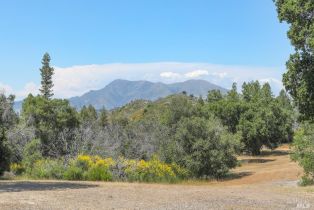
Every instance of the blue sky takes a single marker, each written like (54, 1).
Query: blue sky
(93, 42)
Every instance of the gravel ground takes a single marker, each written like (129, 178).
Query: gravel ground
(78, 195)
(267, 182)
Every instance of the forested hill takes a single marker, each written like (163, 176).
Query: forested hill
(120, 92)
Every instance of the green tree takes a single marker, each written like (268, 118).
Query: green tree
(233, 93)
(103, 118)
(50, 118)
(205, 147)
(228, 109)
(46, 77)
(266, 94)
(7, 120)
(179, 106)
(31, 154)
(264, 126)
(251, 91)
(299, 78)
(214, 95)
(88, 114)
(303, 152)
(284, 100)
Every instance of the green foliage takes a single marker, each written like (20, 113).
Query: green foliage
(46, 77)
(303, 152)
(214, 96)
(7, 119)
(260, 118)
(5, 152)
(91, 168)
(180, 106)
(50, 117)
(228, 109)
(17, 169)
(48, 169)
(31, 154)
(88, 114)
(99, 172)
(266, 122)
(103, 118)
(205, 147)
(150, 171)
(73, 172)
(94, 168)
(299, 78)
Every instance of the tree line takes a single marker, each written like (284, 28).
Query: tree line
(200, 134)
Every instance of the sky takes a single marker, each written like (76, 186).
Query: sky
(94, 42)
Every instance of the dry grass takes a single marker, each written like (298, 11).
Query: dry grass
(270, 166)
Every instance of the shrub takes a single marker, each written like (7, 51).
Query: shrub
(204, 147)
(73, 173)
(99, 172)
(17, 169)
(92, 168)
(303, 152)
(100, 169)
(152, 171)
(264, 126)
(31, 154)
(48, 169)
(95, 168)
(84, 162)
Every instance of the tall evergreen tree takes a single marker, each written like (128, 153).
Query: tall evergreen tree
(103, 118)
(46, 77)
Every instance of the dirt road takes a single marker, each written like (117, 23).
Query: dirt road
(266, 182)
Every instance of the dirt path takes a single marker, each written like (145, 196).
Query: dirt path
(266, 182)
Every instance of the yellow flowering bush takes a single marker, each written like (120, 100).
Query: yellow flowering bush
(100, 169)
(92, 168)
(152, 171)
(17, 168)
(96, 168)
(84, 161)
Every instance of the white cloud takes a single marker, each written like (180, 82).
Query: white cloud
(170, 75)
(220, 74)
(6, 89)
(30, 87)
(77, 80)
(273, 82)
(196, 73)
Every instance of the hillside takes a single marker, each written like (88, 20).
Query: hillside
(121, 92)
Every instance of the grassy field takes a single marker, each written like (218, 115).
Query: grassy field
(268, 181)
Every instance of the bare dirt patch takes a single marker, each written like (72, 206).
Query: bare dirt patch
(264, 182)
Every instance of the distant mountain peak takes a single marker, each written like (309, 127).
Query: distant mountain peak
(120, 92)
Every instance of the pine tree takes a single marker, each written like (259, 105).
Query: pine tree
(46, 77)
(103, 118)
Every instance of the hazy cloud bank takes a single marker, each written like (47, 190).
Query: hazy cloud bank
(76, 80)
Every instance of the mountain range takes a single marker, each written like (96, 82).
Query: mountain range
(120, 92)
